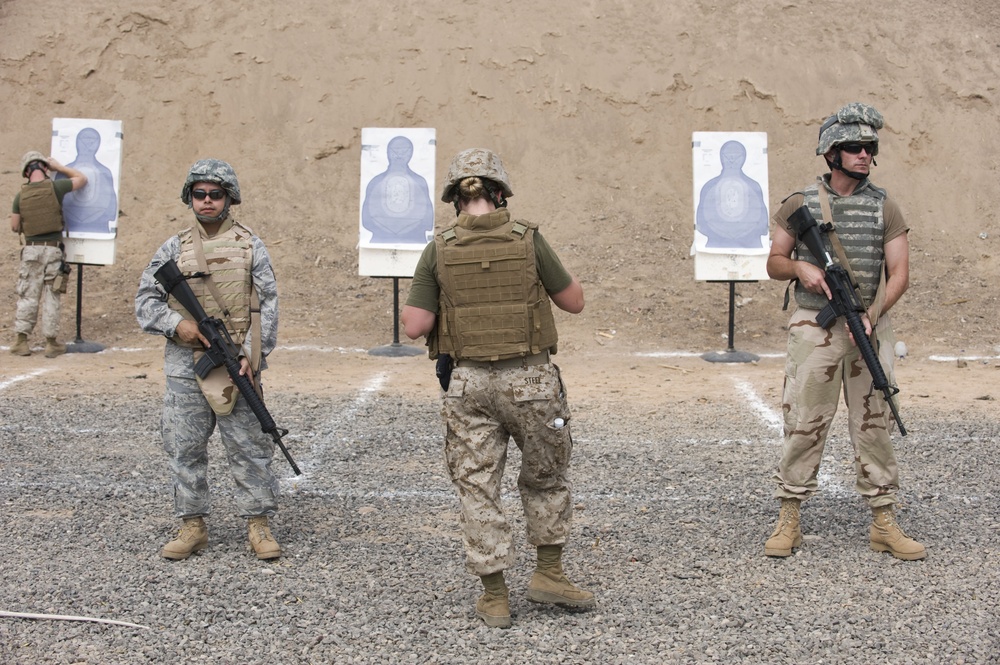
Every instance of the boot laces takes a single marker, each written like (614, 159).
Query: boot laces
(261, 532)
(188, 533)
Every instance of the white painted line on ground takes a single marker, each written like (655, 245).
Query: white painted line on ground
(318, 450)
(298, 347)
(827, 482)
(771, 417)
(668, 354)
(24, 377)
(318, 349)
(691, 354)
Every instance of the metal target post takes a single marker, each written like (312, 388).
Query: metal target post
(395, 349)
(78, 345)
(731, 355)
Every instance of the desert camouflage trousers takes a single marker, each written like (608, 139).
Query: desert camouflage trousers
(820, 362)
(186, 425)
(482, 410)
(39, 267)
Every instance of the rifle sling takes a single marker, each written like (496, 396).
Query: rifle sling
(255, 353)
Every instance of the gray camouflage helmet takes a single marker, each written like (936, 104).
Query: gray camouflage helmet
(475, 162)
(32, 156)
(854, 123)
(212, 170)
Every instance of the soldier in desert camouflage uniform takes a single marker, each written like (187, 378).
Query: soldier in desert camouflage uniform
(239, 276)
(873, 233)
(481, 294)
(37, 213)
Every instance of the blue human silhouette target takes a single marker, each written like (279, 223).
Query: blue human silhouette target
(732, 210)
(397, 208)
(94, 208)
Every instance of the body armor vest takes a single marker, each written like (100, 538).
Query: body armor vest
(229, 256)
(493, 304)
(41, 212)
(859, 223)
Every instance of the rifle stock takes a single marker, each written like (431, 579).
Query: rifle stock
(844, 302)
(220, 351)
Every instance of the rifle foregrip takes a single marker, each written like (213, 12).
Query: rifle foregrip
(253, 399)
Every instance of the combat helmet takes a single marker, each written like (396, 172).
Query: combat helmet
(854, 123)
(31, 157)
(475, 162)
(212, 170)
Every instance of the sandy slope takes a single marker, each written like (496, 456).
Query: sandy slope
(591, 104)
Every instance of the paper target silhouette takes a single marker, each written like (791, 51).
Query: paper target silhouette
(397, 207)
(94, 208)
(732, 212)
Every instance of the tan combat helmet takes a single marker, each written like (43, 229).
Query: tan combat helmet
(30, 158)
(475, 162)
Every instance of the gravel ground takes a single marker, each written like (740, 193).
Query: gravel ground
(673, 507)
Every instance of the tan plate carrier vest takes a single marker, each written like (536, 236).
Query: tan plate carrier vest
(493, 305)
(228, 257)
(41, 212)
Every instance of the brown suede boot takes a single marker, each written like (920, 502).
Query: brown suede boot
(53, 348)
(21, 347)
(193, 537)
(550, 585)
(261, 540)
(787, 534)
(493, 607)
(887, 536)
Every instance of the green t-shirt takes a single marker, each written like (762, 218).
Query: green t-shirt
(425, 292)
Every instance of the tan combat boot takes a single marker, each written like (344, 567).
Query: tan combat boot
(261, 540)
(493, 607)
(21, 347)
(886, 536)
(53, 348)
(193, 537)
(550, 585)
(787, 534)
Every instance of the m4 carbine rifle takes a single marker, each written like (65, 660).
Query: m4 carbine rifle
(844, 302)
(221, 350)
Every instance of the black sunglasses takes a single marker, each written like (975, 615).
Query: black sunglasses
(215, 194)
(856, 148)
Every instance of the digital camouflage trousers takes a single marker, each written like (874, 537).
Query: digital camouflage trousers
(483, 409)
(186, 425)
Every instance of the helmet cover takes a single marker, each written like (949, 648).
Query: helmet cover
(472, 163)
(212, 170)
(32, 156)
(854, 123)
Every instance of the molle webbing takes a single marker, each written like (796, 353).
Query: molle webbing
(860, 225)
(229, 256)
(493, 305)
(39, 208)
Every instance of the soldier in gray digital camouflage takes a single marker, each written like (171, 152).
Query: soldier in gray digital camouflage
(482, 295)
(229, 271)
(869, 239)
(37, 214)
